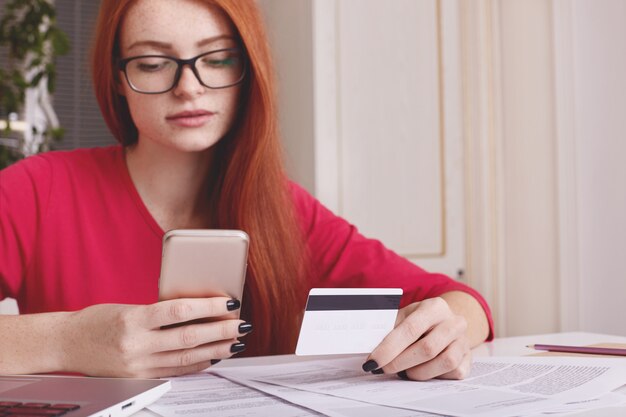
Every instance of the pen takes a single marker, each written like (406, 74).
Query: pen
(581, 349)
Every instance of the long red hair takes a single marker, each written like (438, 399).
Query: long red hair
(250, 189)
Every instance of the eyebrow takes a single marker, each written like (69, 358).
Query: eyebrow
(168, 46)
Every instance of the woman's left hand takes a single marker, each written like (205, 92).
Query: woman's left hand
(429, 341)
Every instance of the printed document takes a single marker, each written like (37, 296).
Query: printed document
(334, 406)
(497, 386)
(206, 394)
(341, 407)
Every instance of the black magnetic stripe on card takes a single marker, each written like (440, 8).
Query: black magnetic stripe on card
(353, 302)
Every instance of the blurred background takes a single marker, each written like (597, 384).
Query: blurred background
(479, 138)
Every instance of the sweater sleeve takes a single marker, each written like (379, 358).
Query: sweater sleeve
(24, 191)
(342, 257)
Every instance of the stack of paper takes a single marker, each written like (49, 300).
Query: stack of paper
(497, 386)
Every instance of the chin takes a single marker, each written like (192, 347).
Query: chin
(195, 146)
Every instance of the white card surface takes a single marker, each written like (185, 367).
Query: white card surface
(347, 320)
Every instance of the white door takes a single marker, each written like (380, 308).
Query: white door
(371, 117)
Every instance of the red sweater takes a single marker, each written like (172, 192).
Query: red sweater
(75, 232)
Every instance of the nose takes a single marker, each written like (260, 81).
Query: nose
(188, 84)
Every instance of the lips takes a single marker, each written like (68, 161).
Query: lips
(190, 118)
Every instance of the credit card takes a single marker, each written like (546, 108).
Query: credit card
(347, 320)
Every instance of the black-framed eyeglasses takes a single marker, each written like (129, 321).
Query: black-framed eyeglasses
(156, 74)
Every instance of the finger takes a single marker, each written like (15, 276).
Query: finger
(185, 358)
(430, 346)
(405, 312)
(463, 371)
(169, 312)
(454, 362)
(192, 335)
(428, 313)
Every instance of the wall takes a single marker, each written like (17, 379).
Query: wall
(596, 91)
(290, 27)
(528, 152)
(511, 226)
(545, 103)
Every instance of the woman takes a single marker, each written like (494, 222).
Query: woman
(186, 88)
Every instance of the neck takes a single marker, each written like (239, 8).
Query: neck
(173, 185)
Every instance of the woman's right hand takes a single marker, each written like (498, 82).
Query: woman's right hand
(129, 340)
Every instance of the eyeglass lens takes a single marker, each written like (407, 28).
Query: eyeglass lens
(154, 74)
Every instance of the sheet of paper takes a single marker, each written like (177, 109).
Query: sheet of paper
(621, 390)
(205, 394)
(498, 386)
(333, 406)
(608, 400)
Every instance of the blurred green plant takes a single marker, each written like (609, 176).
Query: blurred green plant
(29, 31)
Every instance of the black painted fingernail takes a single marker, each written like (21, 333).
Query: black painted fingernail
(214, 361)
(378, 371)
(245, 328)
(232, 304)
(403, 375)
(237, 347)
(370, 365)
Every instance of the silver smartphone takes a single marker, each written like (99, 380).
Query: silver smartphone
(203, 263)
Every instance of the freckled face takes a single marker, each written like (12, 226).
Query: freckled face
(190, 117)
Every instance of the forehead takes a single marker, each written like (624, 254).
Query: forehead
(178, 22)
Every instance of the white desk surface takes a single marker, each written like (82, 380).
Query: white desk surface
(506, 346)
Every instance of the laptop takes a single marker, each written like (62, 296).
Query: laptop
(77, 396)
